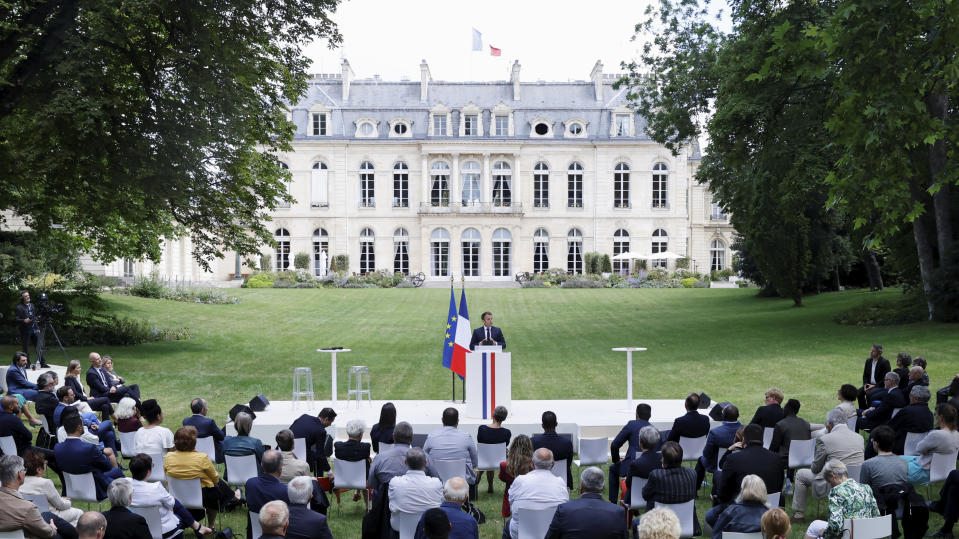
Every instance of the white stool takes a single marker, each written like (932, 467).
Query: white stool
(358, 375)
(303, 385)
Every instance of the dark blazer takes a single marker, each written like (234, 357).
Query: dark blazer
(882, 367)
(891, 400)
(488, 435)
(629, 433)
(98, 387)
(588, 517)
(913, 418)
(74, 384)
(318, 445)
(670, 485)
(462, 526)
(752, 459)
(307, 524)
(788, 429)
(262, 489)
(378, 436)
(78, 457)
(903, 373)
(125, 524)
(641, 467)
(767, 416)
(691, 425)
(479, 335)
(206, 427)
(561, 447)
(16, 380)
(45, 404)
(11, 425)
(351, 450)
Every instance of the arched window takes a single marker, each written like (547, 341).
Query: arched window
(401, 251)
(574, 251)
(501, 252)
(440, 252)
(620, 246)
(471, 183)
(541, 185)
(367, 192)
(717, 256)
(280, 203)
(470, 241)
(367, 254)
(540, 250)
(321, 245)
(502, 181)
(574, 186)
(281, 254)
(621, 186)
(660, 244)
(401, 185)
(319, 186)
(660, 185)
(440, 184)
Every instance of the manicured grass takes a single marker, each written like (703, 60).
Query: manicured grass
(728, 343)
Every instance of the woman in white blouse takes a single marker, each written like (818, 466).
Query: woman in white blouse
(152, 439)
(36, 484)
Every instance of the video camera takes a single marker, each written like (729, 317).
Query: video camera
(46, 308)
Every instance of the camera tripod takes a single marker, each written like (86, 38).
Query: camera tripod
(45, 325)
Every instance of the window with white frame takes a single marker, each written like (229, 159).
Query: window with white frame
(401, 185)
(501, 125)
(621, 186)
(128, 266)
(717, 214)
(575, 129)
(367, 251)
(401, 251)
(540, 250)
(288, 184)
(318, 124)
(367, 185)
(501, 252)
(541, 185)
(470, 125)
(439, 125)
(574, 251)
(470, 173)
(502, 180)
(660, 244)
(400, 128)
(281, 254)
(717, 256)
(622, 123)
(574, 185)
(541, 128)
(321, 245)
(319, 186)
(620, 246)
(440, 252)
(366, 129)
(660, 186)
(440, 184)
(470, 243)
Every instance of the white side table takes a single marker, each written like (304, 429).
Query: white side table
(333, 367)
(629, 371)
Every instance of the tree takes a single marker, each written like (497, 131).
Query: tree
(129, 121)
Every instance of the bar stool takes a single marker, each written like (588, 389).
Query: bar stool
(358, 375)
(302, 385)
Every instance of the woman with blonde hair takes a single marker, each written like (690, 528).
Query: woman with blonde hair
(775, 524)
(519, 461)
(98, 404)
(746, 514)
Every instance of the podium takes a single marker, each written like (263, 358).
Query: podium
(489, 381)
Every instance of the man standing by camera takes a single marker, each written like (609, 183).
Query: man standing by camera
(26, 316)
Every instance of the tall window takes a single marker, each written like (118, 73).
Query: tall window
(541, 185)
(471, 251)
(540, 250)
(501, 127)
(128, 267)
(574, 251)
(281, 255)
(440, 185)
(717, 256)
(470, 125)
(439, 125)
(660, 243)
(620, 245)
(321, 245)
(280, 203)
(319, 124)
(622, 125)
(501, 252)
(401, 251)
(367, 192)
(471, 183)
(717, 212)
(660, 185)
(319, 186)
(574, 186)
(502, 178)
(440, 252)
(621, 186)
(367, 255)
(401, 185)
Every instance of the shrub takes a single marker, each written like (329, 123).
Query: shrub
(688, 282)
(260, 280)
(700, 284)
(301, 261)
(606, 265)
(266, 263)
(592, 262)
(534, 283)
(149, 287)
(340, 263)
(682, 263)
(658, 274)
(903, 310)
(582, 282)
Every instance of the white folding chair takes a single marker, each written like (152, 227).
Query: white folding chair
(207, 445)
(741, 535)
(941, 465)
(239, 469)
(349, 476)
(151, 513)
(39, 500)
(383, 448)
(851, 423)
(448, 469)
(593, 451)
(299, 448)
(692, 447)
(255, 529)
(3, 386)
(489, 456)
(773, 498)
(636, 500)
(854, 471)
(559, 469)
(127, 443)
(720, 453)
(768, 437)
(188, 491)
(868, 528)
(533, 523)
(157, 475)
(7, 445)
(801, 453)
(15, 534)
(912, 442)
(81, 487)
(407, 522)
(685, 512)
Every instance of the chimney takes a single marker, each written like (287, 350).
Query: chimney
(347, 78)
(514, 78)
(597, 76)
(424, 79)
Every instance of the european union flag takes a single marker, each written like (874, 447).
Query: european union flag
(450, 333)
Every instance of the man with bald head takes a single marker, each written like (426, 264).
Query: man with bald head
(274, 520)
(99, 382)
(462, 526)
(92, 525)
(537, 489)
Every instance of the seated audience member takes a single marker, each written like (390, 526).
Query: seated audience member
(493, 434)
(775, 523)
(660, 523)
(745, 515)
(304, 522)
(903, 364)
(78, 457)
(72, 380)
(319, 445)
(886, 467)
(949, 392)
(36, 484)
(266, 486)
(128, 415)
(449, 443)
(173, 515)
(538, 489)
(102, 431)
(353, 449)
(519, 461)
(382, 431)
(690, 425)
(847, 499)
(752, 459)
(414, 491)
(790, 427)
(944, 440)
(673, 483)
(561, 447)
(915, 417)
(873, 374)
(17, 513)
(392, 463)
(121, 522)
(947, 505)
(589, 516)
(889, 400)
(100, 385)
(771, 412)
(629, 433)
(456, 492)
(186, 463)
(292, 466)
(46, 401)
(20, 386)
(847, 405)
(243, 444)
(152, 439)
(839, 443)
(921, 362)
(12, 425)
(91, 525)
(274, 520)
(205, 426)
(722, 436)
(648, 460)
(117, 381)
(436, 524)
(915, 379)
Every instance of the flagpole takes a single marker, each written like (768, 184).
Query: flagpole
(453, 374)
(463, 288)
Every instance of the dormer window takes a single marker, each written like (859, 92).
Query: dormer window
(541, 128)
(471, 121)
(439, 121)
(621, 124)
(501, 120)
(575, 128)
(319, 124)
(366, 128)
(470, 125)
(319, 121)
(439, 126)
(501, 125)
(400, 128)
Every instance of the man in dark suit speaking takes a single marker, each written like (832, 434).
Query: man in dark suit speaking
(487, 332)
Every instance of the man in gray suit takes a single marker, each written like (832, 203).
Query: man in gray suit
(838, 443)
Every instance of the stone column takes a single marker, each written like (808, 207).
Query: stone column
(517, 198)
(455, 187)
(425, 184)
(485, 195)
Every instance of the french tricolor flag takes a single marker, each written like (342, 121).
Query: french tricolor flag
(464, 333)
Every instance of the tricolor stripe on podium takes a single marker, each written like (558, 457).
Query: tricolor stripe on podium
(489, 381)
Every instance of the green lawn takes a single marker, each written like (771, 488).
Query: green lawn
(727, 343)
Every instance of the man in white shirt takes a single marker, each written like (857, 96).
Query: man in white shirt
(450, 443)
(538, 489)
(414, 492)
